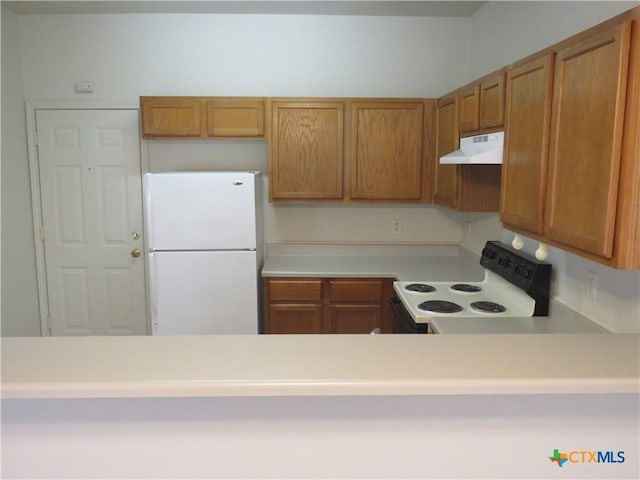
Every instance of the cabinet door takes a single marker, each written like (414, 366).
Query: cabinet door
(354, 318)
(492, 101)
(529, 88)
(469, 108)
(386, 151)
(171, 116)
(235, 118)
(447, 141)
(586, 135)
(306, 151)
(294, 318)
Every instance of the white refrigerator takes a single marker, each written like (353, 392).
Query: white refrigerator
(204, 243)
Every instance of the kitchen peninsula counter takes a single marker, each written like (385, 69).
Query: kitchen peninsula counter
(318, 365)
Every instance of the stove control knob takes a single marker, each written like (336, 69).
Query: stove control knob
(504, 262)
(523, 272)
(489, 253)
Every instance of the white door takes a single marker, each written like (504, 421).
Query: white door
(91, 194)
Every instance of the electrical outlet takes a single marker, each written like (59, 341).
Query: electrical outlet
(395, 226)
(592, 285)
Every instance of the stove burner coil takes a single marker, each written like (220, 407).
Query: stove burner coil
(440, 306)
(488, 307)
(420, 287)
(465, 287)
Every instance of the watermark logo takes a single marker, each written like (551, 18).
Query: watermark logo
(559, 458)
(587, 456)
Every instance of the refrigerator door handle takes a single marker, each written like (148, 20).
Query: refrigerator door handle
(153, 281)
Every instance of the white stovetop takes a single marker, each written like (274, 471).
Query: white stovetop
(492, 289)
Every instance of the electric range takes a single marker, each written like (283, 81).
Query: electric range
(515, 285)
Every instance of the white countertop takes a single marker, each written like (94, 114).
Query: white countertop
(446, 263)
(561, 319)
(402, 262)
(312, 365)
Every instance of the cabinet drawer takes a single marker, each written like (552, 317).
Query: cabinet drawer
(295, 290)
(355, 290)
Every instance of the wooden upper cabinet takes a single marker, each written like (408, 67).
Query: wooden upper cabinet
(447, 141)
(481, 104)
(306, 150)
(386, 158)
(492, 93)
(235, 118)
(465, 188)
(202, 117)
(171, 116)
(469, 108)
(589, 96)
(528, 115)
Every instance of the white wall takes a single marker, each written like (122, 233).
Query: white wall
(19, 286)
(273, 55)
(475, 436)
(529, 27)
(132, 55)
(504, 32)
(310, 223)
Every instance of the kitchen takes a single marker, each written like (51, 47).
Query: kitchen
(397, 70)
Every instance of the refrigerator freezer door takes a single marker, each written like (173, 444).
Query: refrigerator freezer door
(200, 210)
(204, 293)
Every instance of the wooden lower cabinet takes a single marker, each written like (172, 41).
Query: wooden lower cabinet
(294, 318)
(354, 318)
(327, 305)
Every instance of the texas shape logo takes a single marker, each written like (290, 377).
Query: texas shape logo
(559, 458)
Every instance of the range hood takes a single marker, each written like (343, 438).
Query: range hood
(480, 149)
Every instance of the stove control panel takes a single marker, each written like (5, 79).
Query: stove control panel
(522, 270)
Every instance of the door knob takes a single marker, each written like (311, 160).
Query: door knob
(135, 253)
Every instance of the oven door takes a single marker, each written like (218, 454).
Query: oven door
(402, 320)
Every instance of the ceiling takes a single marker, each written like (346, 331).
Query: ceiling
(359, 7)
